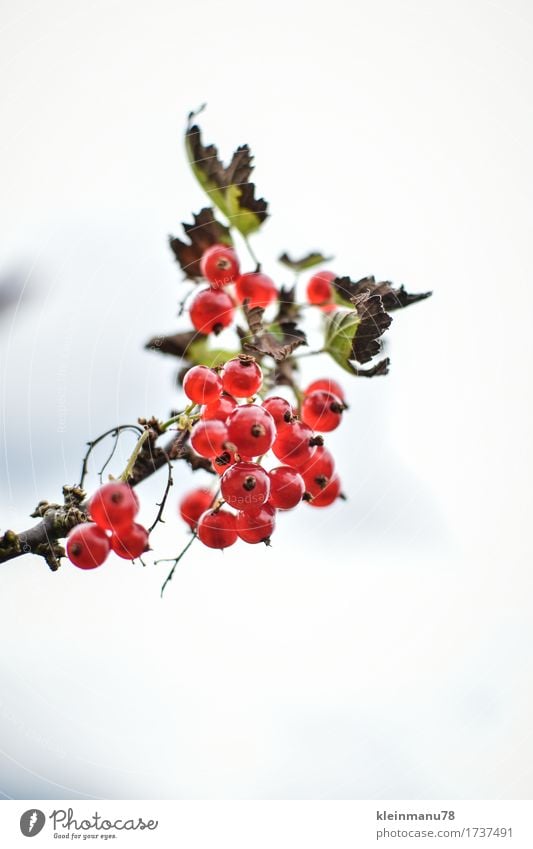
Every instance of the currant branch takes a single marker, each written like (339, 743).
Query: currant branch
(233, 424)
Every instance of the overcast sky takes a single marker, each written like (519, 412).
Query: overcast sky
(381, 648)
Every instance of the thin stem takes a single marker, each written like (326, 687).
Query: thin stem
(135, 453)
(188, 411)
(251, 252)
(176, 561)
(161, 505)
(310, 354)
(92, 445)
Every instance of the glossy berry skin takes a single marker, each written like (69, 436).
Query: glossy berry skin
(286, 487)
(221, 463)
(219, 409)
(211, 311)
(327, 494)
(113, 506)
(257, 527)
(193, 504)
(216, 529)
(257, 288)
(209, 437)
(131, 542)
(245, 486)
(328, 385)
(242, 377)
(87, 546)
(251, 429)
(319, 289)
(219, 265)
(280, 410)
(322, 411)
(320, 464)
(202, 385)
(292, 444)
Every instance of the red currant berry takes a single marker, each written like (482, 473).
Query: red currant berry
(257, 288)
(326, 494)
(219, 409)
(131, 542)
(328, 385)
(193, 504)
(322, 411)
(251, 429)
(257, 527)
(280, 410)
(113, 506)
(320, 464)
(216, 529)
(242, 377)
(208, 438)
(245, 486)
(87, 546)
(221, 463)
(293, 444)
(211, 311)
(320, 290)
(219, 265)
(286, 487)
(202, 385)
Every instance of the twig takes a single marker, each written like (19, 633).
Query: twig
(92, 445)
(176, 561)
(161, 505)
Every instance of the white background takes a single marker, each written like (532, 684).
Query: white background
(381, 648)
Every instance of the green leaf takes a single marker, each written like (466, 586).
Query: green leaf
(201, 354)
(340, 332)
(191, 346)
(229, 187)
(355, 335)
(308, 261)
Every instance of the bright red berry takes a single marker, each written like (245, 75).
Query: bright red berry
(209, 437)
(280, 410)
(87, 546)
(257, 288)
(221, 463)
(320, 464)
(257, 527)
(322, 411)
(219, 409)
(328, 385)
(325, 494)
(293, 444)
(113, 506)
(320, 290)
(245, 486)
(131, 542)
(211, 311)
(242, 377)
(219, 265)
(286, 487)
(251, 429)
(216, 529)
(193, 504)
(202, 385)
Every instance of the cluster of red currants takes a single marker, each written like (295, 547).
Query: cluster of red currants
(235, 430)
(112, 509)
(213, 308)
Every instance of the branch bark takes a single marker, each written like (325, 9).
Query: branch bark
(57, 520)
